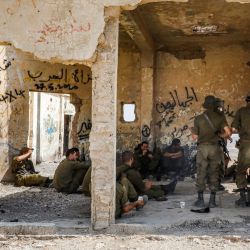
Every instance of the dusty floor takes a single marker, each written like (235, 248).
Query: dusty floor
(163, 224)
(145, 242)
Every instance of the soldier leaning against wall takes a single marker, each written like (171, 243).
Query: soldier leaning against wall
(25, 174)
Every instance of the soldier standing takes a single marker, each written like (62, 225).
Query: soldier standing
(241, 124)
(206, 128)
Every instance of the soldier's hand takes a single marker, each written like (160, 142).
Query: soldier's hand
(148, 185)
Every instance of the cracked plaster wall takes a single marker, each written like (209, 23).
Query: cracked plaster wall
(224, 72)
(20, 73)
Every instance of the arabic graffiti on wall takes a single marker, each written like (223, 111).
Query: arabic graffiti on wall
(11, 96)
(84, 130)
(62, 80)
(167, 110)
(53, 27)
(170, 105)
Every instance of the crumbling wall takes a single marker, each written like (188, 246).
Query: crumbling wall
(181, 86)
(22, 74)
(129, 91)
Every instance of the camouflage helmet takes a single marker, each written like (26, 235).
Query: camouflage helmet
(209, 102)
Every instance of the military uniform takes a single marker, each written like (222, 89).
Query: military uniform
(136, 180)
(24, 174)
(144, 164)
(69, 175)
(209, 153)
(121, 198)
(242, 123)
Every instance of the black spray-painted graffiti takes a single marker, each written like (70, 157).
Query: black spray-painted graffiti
(84, 130)
(11, 96)
(145, 131)
(170, 105)
(178, 133)
(166, 110)
(229, 112)
(167, 119)
(78, 76)
(52, 87)
(5, 65)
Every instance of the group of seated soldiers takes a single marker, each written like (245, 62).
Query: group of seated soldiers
(134, 184)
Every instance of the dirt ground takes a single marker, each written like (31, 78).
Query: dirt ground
(145, 242)
(52, 218)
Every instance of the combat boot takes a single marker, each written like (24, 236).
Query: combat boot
(242, 202)
(212, 203)
(200, 200)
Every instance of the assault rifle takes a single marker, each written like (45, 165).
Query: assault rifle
(223, 144)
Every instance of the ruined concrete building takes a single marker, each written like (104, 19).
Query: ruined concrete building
(87, 62)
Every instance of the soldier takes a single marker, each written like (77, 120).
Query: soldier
(124, 204)
(25, 174)
(143, 188)
(173, 160)
(70, 172)
(209, 153)
(219, 108)
(241, 124)
(145, 161)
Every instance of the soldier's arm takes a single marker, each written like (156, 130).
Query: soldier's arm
(24, 156)
(236, 122)
(79, 165)
(195, 130)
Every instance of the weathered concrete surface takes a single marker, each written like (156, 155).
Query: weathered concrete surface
(104, 119)
(181, 86)
(21, 73)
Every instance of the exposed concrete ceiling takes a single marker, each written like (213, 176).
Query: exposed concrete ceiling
(188, 26)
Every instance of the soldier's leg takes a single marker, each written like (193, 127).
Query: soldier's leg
(86, 184)
(31, 180)
(155, 192)
(132, 194)
(121, 199)
(215, 157)
(201, 165)
(77, 180)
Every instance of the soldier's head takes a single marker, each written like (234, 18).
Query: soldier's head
(209, 102)
(176, 143)
(144, 146)
(128, 157)
(72, 154)
(248, 98)
(219, 105)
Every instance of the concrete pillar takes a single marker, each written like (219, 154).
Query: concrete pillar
(5, 110)
(103, 133)
(147, 95)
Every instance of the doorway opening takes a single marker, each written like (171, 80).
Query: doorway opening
(50, 125)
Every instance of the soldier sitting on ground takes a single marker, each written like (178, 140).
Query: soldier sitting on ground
(173, 161)
(70, 172)
(25, 174)
(145, 161)
(148, 188)
(126, 198)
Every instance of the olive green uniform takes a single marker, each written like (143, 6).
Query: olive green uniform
(242, 123)
(121, 192)
(136, 180)
(69, 175)
(209, 153)
(144, 164)
(24, 175)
